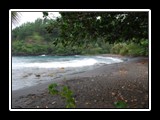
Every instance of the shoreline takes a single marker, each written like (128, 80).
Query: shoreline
(70, 76)
(102, 81)
(40, 74)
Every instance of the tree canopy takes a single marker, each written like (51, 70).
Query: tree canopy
(81, 27)
(29, 30)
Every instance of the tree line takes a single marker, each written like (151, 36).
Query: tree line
(123, 33)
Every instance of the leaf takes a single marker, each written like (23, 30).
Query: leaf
(65, 93)
(45, 14)
(52, 89)
(70, 105)
(120, 104)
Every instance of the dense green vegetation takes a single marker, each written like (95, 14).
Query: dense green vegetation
(34, 39)
(124, 33)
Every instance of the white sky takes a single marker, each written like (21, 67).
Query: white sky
(32, 16)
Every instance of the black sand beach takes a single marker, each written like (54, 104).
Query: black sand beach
(98, 88)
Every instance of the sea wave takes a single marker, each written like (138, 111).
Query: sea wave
(64, 62)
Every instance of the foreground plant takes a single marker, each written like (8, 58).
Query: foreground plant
(65, 93)
(120, 104)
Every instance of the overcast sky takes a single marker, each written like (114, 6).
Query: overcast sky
(32, 16)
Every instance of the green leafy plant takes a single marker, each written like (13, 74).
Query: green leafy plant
(117, 47)
(131, 48)
(120, 104)
(65, 93)
(52, 89)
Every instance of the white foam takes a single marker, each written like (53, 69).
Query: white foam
(80, 62)
(64, 64)
(110, 58)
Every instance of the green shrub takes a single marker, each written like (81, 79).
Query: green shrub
(117, 47)
(145, 45)
(65, 93)
(135, 49)
(106, 47)
(131, 48)
(124, 50)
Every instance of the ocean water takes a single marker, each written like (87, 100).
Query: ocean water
(32, 70)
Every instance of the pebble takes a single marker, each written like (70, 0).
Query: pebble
(113, 93)
(95, 100)
(53, 102)
(87, 103)
(135, 99)
(142, 103)
(37, 106)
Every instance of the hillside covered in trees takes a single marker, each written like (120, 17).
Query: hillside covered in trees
(84, 33)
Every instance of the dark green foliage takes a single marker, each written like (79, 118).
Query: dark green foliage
(127, 30)
(81, 27)
(145, 44)
(120, 104)
(45, 14)
(65, 93)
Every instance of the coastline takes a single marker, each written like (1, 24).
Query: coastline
(98, 88)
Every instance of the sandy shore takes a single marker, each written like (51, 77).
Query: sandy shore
(98, 88)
